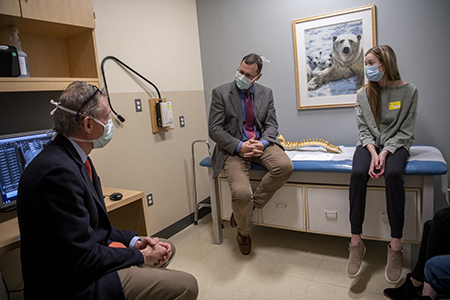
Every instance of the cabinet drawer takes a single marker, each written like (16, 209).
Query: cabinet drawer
(225, 200)
(286, 208)
(376, 223)
(328, 210)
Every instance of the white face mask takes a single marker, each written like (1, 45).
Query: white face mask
(106, 137)
(108, 129)
(243, 82)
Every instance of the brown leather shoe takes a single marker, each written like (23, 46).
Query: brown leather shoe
(244, 243)
(233, 221)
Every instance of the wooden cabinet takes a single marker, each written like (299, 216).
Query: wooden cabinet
(10, 7)
(72, 12)
(59, 39)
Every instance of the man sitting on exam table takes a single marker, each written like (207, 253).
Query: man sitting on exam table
(243, 124)
(69, 249)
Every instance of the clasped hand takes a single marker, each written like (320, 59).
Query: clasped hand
(377, 164)
(252, 148)
(155, 252)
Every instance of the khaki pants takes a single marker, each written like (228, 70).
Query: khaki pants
(147, 283)
(237, 168)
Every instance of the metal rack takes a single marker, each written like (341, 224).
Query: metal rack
(197, 204)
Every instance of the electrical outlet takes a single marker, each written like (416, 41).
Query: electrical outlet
(182, 121)
(138, 105)
(149, 199)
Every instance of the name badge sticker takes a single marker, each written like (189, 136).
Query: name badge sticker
(395, 105)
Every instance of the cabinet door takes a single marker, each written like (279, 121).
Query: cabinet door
(285, 209)
(328, 210)
(73, 12)
(376, 223)
(10, 7)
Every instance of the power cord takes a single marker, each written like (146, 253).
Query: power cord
(122, 119)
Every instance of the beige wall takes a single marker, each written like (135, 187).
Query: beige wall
(158, 39)
(158, 163)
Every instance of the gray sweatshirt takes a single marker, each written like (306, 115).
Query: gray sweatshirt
(398, 118)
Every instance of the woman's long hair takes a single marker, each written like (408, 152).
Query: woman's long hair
(387, 57)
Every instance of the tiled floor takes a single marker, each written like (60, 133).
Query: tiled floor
(283, 265)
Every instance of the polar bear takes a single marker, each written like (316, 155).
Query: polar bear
(326, 62)
(348, 61)
(312, 62)
(313, 59)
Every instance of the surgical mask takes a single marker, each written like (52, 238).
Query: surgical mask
(373, 74)
(243, 82)
(106, 137)
(108, 129)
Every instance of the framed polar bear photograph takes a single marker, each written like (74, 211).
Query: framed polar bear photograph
(329, 56)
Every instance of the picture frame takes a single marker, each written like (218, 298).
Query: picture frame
(329, 56)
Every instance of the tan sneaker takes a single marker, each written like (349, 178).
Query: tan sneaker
(393, 271)
(355, 259)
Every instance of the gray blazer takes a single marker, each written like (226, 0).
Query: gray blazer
(226, 120)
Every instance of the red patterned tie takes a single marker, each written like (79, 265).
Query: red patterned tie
(249, 116)
(88, 167)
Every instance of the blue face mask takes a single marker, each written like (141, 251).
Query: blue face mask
(373, 74)
(243, 82)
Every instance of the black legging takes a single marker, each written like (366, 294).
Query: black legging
(395, 191)
(435, 241)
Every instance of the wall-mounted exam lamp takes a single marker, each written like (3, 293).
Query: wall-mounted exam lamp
(122, 119)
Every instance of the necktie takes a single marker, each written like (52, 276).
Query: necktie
(249, 116)
(88, 167)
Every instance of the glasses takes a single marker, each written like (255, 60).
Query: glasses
(87, 101)
(251, 77)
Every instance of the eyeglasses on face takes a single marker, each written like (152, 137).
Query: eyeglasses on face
(249, 76)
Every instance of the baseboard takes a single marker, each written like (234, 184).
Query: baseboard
(183, 223)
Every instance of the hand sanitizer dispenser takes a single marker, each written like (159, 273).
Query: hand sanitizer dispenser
(23, 59)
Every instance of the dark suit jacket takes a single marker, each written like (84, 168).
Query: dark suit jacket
(226, 120)
(65, 230)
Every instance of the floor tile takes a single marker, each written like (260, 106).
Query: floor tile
(283, 264)
(298, 265)
(323, 291)
(282, 286)
(183, 261)
(217, 292)
(209, 270)
(333, 272)
(198, 247)
(243, 278)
